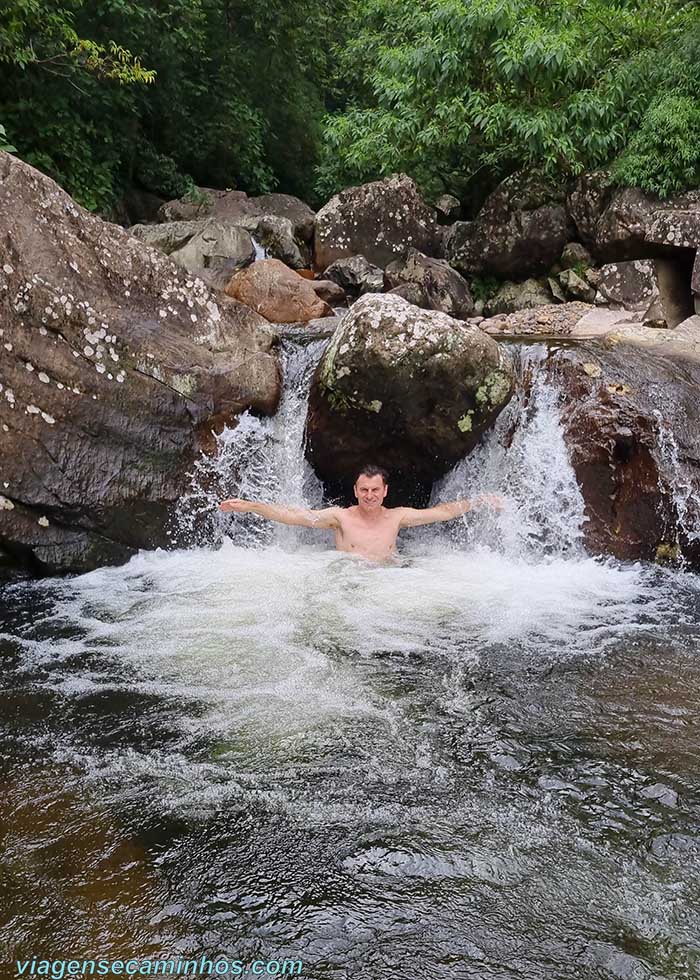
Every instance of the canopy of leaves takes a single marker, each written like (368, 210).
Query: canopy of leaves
(231, 93)
(105, 95)
(459, 93)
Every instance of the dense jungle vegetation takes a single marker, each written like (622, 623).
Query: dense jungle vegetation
(162, 95)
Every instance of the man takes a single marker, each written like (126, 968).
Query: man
(369, 528)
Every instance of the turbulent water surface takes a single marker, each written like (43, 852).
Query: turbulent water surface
(481, 761)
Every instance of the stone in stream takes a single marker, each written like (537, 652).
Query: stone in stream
(413, 389)
(170, 235)
(660, 794)
(379, 220)
(114, 363)
(277, 293)
(676, 846)
(439, 287)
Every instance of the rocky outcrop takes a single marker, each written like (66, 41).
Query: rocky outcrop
(113, 362)
(379, 220)
(624, 224)
(513, 296)
(216, 252)
(630, 415)
(439, 286)
(520, 231)
(411, 388)
(356, 276)
(277, 293)
(235, 206)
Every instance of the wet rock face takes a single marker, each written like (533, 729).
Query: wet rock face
(112, 361)
(412, 389)
(519, 232)
(379, 220)
(439, 286)
(234, 206)
(629, 417)
(277, 293)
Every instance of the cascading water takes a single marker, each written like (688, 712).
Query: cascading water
(478, 763)
(259, 459)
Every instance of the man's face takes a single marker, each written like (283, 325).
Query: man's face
(370, 492)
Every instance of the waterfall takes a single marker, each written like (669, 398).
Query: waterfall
(259, 459)
(525, 459)
(679, 481)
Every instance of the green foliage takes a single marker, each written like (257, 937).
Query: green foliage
(459, 93)
(263, 94)
(4, 145)
(663, 155)
(484, 288)
(231, 94)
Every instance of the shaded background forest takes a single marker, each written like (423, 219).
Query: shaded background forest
(261, 95)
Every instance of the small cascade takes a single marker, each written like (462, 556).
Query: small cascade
(678, 481)
(259, 459)
(260, 250)
(525, 459)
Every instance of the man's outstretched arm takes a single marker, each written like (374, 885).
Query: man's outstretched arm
(413, 517)
(327, 518)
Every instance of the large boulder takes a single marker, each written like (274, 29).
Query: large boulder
(411, 388)
(235, 206)
(379, 220)
(277, 293)
(630, 420)
(116, 363)
(440, 286)
(520, 231)
(216, 252)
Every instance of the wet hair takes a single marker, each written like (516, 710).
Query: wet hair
(371, 470)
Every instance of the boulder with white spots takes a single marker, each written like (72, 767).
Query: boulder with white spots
(413, 389)
(379, 220)
(114, 362)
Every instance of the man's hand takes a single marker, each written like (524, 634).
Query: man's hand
(492, 500)
(236, 505)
